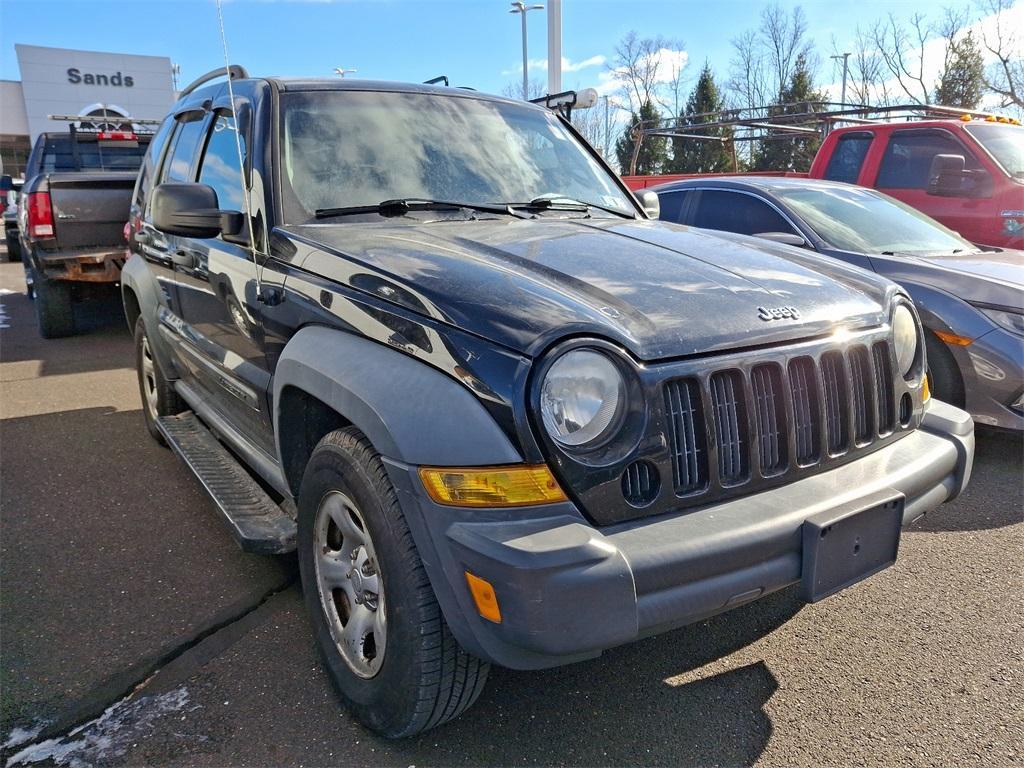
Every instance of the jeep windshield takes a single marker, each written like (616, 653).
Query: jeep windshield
(350, 151)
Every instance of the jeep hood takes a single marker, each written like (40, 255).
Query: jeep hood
(659, 289)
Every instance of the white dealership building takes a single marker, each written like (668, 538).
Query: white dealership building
(61, 81)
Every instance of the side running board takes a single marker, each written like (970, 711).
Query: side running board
(259, 524)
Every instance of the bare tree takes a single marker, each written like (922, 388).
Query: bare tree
(672, 91)
(1005, 76)
(764, 59)
(536, 89)
(636, 67)
(902, 50)
(868, 75)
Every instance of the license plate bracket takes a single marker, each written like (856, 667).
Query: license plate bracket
(850, 543)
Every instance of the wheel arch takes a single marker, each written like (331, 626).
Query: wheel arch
(410, 411)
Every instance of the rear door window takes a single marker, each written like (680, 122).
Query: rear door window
(737, 212)
(180, 163)
(672, 206)
(220, 167)
(848, 157)
(908, 158)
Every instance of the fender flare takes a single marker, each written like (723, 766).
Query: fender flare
(411, 412)
(136, 277)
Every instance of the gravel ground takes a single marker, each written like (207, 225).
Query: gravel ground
(114, 567)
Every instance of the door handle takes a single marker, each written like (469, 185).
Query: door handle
(184, 258)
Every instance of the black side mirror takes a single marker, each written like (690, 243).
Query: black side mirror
(786, 238)
(946, 175)
(190, 210)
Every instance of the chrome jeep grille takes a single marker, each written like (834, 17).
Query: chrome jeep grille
(769, 419)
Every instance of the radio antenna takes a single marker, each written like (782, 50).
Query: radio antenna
(241, 156)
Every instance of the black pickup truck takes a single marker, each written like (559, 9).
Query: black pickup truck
(73, 209)
(427, 338)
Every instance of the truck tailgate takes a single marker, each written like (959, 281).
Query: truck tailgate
(90, 209)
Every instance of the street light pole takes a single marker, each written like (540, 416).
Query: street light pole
(521, 8)
(846, 59)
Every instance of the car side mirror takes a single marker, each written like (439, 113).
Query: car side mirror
(651, 203)
(190, 210)
(786, 238)
(946, 175)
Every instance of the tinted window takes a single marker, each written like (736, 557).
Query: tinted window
(90, 154)
(909, 154)
(149, 165)
(178, 166)
(220, 167)
(672, 206)
(848, 157)
(737, 212)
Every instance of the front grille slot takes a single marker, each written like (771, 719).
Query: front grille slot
(770, 415)
(803, 382)
(883, 388)
(785, 415)
(833, 378)
(686, 436)
(861, 386)
(730, 417)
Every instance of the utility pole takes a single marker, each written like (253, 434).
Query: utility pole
(554, 46)
(846, 60)
(521, 8)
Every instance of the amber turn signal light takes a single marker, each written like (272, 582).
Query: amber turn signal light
(516, 485)
(952, 338)
(484, 597)
(926, 389)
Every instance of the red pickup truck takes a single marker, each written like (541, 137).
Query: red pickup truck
(966, 173)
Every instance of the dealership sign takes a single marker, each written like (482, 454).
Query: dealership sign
(76, 76)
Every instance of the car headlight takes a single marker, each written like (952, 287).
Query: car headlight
(581, 398)
(905, 338)
(1011, 321)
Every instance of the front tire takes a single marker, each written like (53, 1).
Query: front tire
(159, 398)
(54, 312)
(392, 658)
(946, 382)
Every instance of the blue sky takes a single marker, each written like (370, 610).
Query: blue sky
(474, 42)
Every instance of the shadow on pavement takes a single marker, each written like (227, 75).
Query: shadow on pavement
(995, 496)
(636, 705)
(110, 555)
(101, 341)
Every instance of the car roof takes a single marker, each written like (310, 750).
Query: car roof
(349, 84)
(761, 183)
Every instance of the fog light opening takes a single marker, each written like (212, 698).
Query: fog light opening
(906, 409)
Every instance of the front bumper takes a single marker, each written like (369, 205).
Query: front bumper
(993, 378)
(568, 590)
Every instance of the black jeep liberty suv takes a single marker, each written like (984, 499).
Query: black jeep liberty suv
(427, 338)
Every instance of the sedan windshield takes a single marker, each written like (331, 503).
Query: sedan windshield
(865, 221)
(346, 149)
(1004, 142)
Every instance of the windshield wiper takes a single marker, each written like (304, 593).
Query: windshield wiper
(559, 203)
(402, 206)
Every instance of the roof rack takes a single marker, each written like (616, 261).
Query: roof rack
(788, 121)
(436, 80)
(233, 71)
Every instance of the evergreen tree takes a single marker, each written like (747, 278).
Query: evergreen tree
(963, 80)
(783, 151)
(652, 149)
(696, 155)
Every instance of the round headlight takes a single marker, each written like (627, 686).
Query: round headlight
(904, 337)
(581, 397)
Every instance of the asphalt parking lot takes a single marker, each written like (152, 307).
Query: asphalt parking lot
(134, 631)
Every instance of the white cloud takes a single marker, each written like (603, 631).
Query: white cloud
(1013, 19)
(541, 65)
(669, 64)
